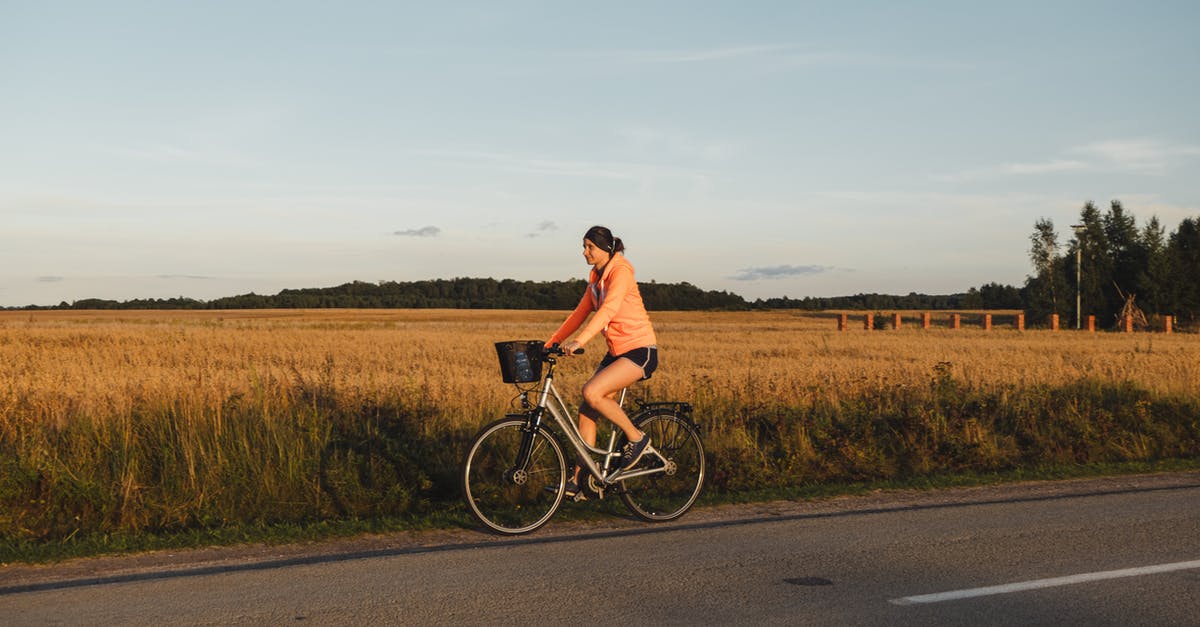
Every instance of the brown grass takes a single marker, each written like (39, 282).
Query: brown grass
(97, 364)
(156, 419)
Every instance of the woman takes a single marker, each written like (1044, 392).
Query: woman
(612, 294)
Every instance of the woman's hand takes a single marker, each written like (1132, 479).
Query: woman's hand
(570, 347)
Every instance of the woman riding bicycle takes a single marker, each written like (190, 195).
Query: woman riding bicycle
(613, 299)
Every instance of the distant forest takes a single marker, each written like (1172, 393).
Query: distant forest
(468, 293)
(461, 293)
(1109, 262)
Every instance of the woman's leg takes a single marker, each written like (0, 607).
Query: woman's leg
(600, 395)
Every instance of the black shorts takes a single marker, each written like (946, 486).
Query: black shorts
(646, 358)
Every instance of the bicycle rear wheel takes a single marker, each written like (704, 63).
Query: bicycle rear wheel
(667, 495)
(505, 497)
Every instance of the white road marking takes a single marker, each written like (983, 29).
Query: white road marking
(1037, 584)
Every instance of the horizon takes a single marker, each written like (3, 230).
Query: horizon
(766, 149)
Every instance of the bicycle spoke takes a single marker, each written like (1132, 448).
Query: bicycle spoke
(509, 499)
(668, 494)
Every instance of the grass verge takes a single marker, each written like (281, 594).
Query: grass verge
(454, 516)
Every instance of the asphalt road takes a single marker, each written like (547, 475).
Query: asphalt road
(1113, 551)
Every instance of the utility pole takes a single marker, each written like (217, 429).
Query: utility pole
(1080, 229)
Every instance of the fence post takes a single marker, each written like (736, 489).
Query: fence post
(1167, 320)
(1127, 324)
(896, 321)
(869, 322)
(955, 321)
(987, 322)
(925, 320)
(1053, 322)
(842, 322)
(1091, 324)
(1020, 323)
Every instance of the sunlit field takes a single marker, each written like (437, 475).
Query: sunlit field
(96, 365)
(151, 420)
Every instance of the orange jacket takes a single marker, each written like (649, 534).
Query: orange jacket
(619, 312)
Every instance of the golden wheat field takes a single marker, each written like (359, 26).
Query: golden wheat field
(124, 421)
(97, 365)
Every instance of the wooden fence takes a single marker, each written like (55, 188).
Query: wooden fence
(895, 321)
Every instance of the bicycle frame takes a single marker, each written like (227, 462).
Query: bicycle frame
(563, 418)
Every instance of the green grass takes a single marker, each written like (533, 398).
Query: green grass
(456, 517)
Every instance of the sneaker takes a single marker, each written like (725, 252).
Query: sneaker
(632, 453)
(572, 491)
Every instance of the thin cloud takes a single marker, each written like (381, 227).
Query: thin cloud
(700, 55)
(49, 279)
(193, 277)
(425, 231)
(779, 272)
(1143, 155)
(780, 56)
(545, 227)
(1046, 167)
(623, 171)
(173, 153)
(1054, 166)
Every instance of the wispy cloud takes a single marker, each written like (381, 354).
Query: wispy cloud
(193, 277)
(1142, 155)
(676, 145)
(700, 55)
(1044, 167)
(779, 56)
(1053, 166)
(176, 153)
(541, 166)
(778, 272)
(425, 231)
(545, 227)
(49, 279)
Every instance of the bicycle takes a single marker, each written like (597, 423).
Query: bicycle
(514, 474)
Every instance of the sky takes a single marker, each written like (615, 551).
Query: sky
(204, 149)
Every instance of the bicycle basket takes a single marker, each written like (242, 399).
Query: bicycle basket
(520, 360)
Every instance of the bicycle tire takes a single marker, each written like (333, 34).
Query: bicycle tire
(664, 496)
(506, 499)
(362, 480)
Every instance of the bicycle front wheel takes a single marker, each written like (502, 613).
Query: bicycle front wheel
(668, 494)
(507, 494)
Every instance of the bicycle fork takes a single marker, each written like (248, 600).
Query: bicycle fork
(518, 474)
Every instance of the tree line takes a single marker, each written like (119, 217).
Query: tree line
(471, 293)
(459, 293)
(1110, 261)
(988, 296)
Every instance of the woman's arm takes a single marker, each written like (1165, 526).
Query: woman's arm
(574, 320)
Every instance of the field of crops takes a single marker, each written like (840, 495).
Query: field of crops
(157, 420)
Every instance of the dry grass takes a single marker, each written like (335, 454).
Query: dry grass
(96, 364)
(131, 420)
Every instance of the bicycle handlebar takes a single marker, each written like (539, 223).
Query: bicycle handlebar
(555, 349)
